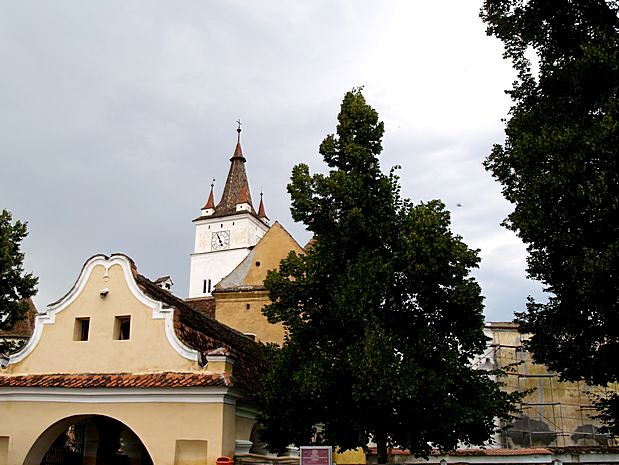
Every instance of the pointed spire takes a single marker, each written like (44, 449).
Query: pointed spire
(261, 210)
(236, 190)
(238, 151)
(210, 203)
(244, 195)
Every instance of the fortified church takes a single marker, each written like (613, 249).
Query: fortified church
(121, 371)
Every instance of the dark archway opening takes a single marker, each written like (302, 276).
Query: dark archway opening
(88, 440)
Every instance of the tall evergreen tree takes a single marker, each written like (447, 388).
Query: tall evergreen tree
(382, 315)
(559, 166)
(15, 285)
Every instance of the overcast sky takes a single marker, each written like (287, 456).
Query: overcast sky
(116, 115)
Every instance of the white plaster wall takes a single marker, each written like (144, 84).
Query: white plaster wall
(206, 263)
(214, 266)
(245, 231)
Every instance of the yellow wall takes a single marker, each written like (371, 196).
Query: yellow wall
(174, 433)
(158, 425)
(147, 350)
(231, 309)
(244, 286)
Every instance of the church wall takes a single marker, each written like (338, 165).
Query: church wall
(213, 266)
(161, 427)
(240, 297)
(243, 311)
(147, 349)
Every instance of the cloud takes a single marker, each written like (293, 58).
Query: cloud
(116, 116)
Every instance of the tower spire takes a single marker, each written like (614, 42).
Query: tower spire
(238, 151)
(236, 190)
(210, 203)
(261, 210)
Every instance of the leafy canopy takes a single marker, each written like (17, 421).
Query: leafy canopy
(383, 318)
(15, 284)
(559, 167)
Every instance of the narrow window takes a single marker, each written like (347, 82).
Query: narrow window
(81, 329)
(122, 328)
(204, 286)
(247, 306)
(209, 286)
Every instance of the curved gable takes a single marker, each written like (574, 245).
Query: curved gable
(105, 323)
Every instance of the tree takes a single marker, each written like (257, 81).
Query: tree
(16, 286)
(559, 167)
(383, 318)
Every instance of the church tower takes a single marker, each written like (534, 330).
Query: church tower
(226, 232)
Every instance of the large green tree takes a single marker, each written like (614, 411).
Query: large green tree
(382, 315)
(15, 284)
(559, 166)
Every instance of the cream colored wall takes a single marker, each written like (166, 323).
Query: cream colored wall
(274, 246)
(158, 425)
(147, 350)
(231, 309)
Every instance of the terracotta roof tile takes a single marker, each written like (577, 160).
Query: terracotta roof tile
(210, 203)
(203, 305)
(204, 334)
(261, 209)
(121, 380)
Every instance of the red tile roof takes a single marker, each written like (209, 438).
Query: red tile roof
(117, 380)
(203, 305)
(210, 203)
(261, 210)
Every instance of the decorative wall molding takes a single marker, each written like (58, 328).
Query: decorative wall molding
(158, 311)
(119, 395)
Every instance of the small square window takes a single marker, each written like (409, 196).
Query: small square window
(81, 329)
(122, 328)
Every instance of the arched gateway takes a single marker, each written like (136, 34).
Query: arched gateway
(90, 440)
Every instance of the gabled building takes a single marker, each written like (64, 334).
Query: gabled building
(121, 371)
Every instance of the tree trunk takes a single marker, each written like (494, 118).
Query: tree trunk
(381, 451)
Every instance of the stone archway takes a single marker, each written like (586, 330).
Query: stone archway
(88, 440)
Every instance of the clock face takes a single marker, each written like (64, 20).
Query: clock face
(220, 240)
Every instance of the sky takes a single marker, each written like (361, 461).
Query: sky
(117, 115)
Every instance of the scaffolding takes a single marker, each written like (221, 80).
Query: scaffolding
(554, 413)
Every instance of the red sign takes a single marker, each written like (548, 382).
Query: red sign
(316, 455)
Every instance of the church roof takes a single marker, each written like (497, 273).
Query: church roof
(261, 209)
(236, 189)
(210, 203)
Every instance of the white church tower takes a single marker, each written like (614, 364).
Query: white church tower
(226, 232)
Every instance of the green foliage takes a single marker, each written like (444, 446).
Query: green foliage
(15, 285)
(559, 167)
(383, 317)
